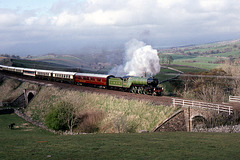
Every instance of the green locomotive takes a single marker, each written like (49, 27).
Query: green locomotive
(138, 85)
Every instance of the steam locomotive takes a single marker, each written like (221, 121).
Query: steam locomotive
(139, 85)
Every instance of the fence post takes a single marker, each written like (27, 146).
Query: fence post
(229, 110)
(218, 109)
(174, 102)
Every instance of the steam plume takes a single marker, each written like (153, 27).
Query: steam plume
(139, 60)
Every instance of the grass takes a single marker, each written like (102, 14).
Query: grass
(187, 69)
(29, 142)
(203, 65)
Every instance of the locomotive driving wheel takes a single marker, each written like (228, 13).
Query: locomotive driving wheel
(134, 89)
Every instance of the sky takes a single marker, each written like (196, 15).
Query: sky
(72, 26)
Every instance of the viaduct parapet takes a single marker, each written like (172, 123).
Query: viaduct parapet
(193, 114)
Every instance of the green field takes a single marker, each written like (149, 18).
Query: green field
(203, 65)
(30, 142)
(38, 64)
(208, 56)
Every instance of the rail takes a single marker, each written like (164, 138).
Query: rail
(188, 103)
(234, 99)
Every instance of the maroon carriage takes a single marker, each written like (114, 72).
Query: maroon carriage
(98, 80)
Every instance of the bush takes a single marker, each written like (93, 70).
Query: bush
(123, 125)
(58, 116)
(90, 121)
(64, 116)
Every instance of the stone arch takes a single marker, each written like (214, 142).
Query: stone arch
(30, 96)
(198, 122)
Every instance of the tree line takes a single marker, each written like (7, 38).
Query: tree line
(10, 56)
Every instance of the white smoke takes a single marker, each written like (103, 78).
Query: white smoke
(139, 60)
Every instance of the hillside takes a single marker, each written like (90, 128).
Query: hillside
(206, 56)
(94, 61)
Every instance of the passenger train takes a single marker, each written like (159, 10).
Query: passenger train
(132, 84)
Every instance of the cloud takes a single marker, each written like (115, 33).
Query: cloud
(8, 18)
(159, 22)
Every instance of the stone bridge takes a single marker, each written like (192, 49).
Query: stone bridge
(193, 114)
(29, 95)
(20, 102)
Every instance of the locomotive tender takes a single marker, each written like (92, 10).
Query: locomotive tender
(139, 85)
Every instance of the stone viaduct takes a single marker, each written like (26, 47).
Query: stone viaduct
(193, 114)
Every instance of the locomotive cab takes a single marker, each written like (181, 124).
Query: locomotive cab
(152, 82)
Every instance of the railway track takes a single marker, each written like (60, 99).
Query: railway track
(157, 100)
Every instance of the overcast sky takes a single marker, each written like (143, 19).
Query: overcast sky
(70, 26)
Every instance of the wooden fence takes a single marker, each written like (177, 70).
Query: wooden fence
(188, 103)
(234, 99)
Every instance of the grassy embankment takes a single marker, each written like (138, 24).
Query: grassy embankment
(29, 142)
(120, 115)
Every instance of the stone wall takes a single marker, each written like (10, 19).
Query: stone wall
(20, 102)
(29, 119)
(175, 123)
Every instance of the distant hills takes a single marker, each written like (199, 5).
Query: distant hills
(207, 56)
(100, 62)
